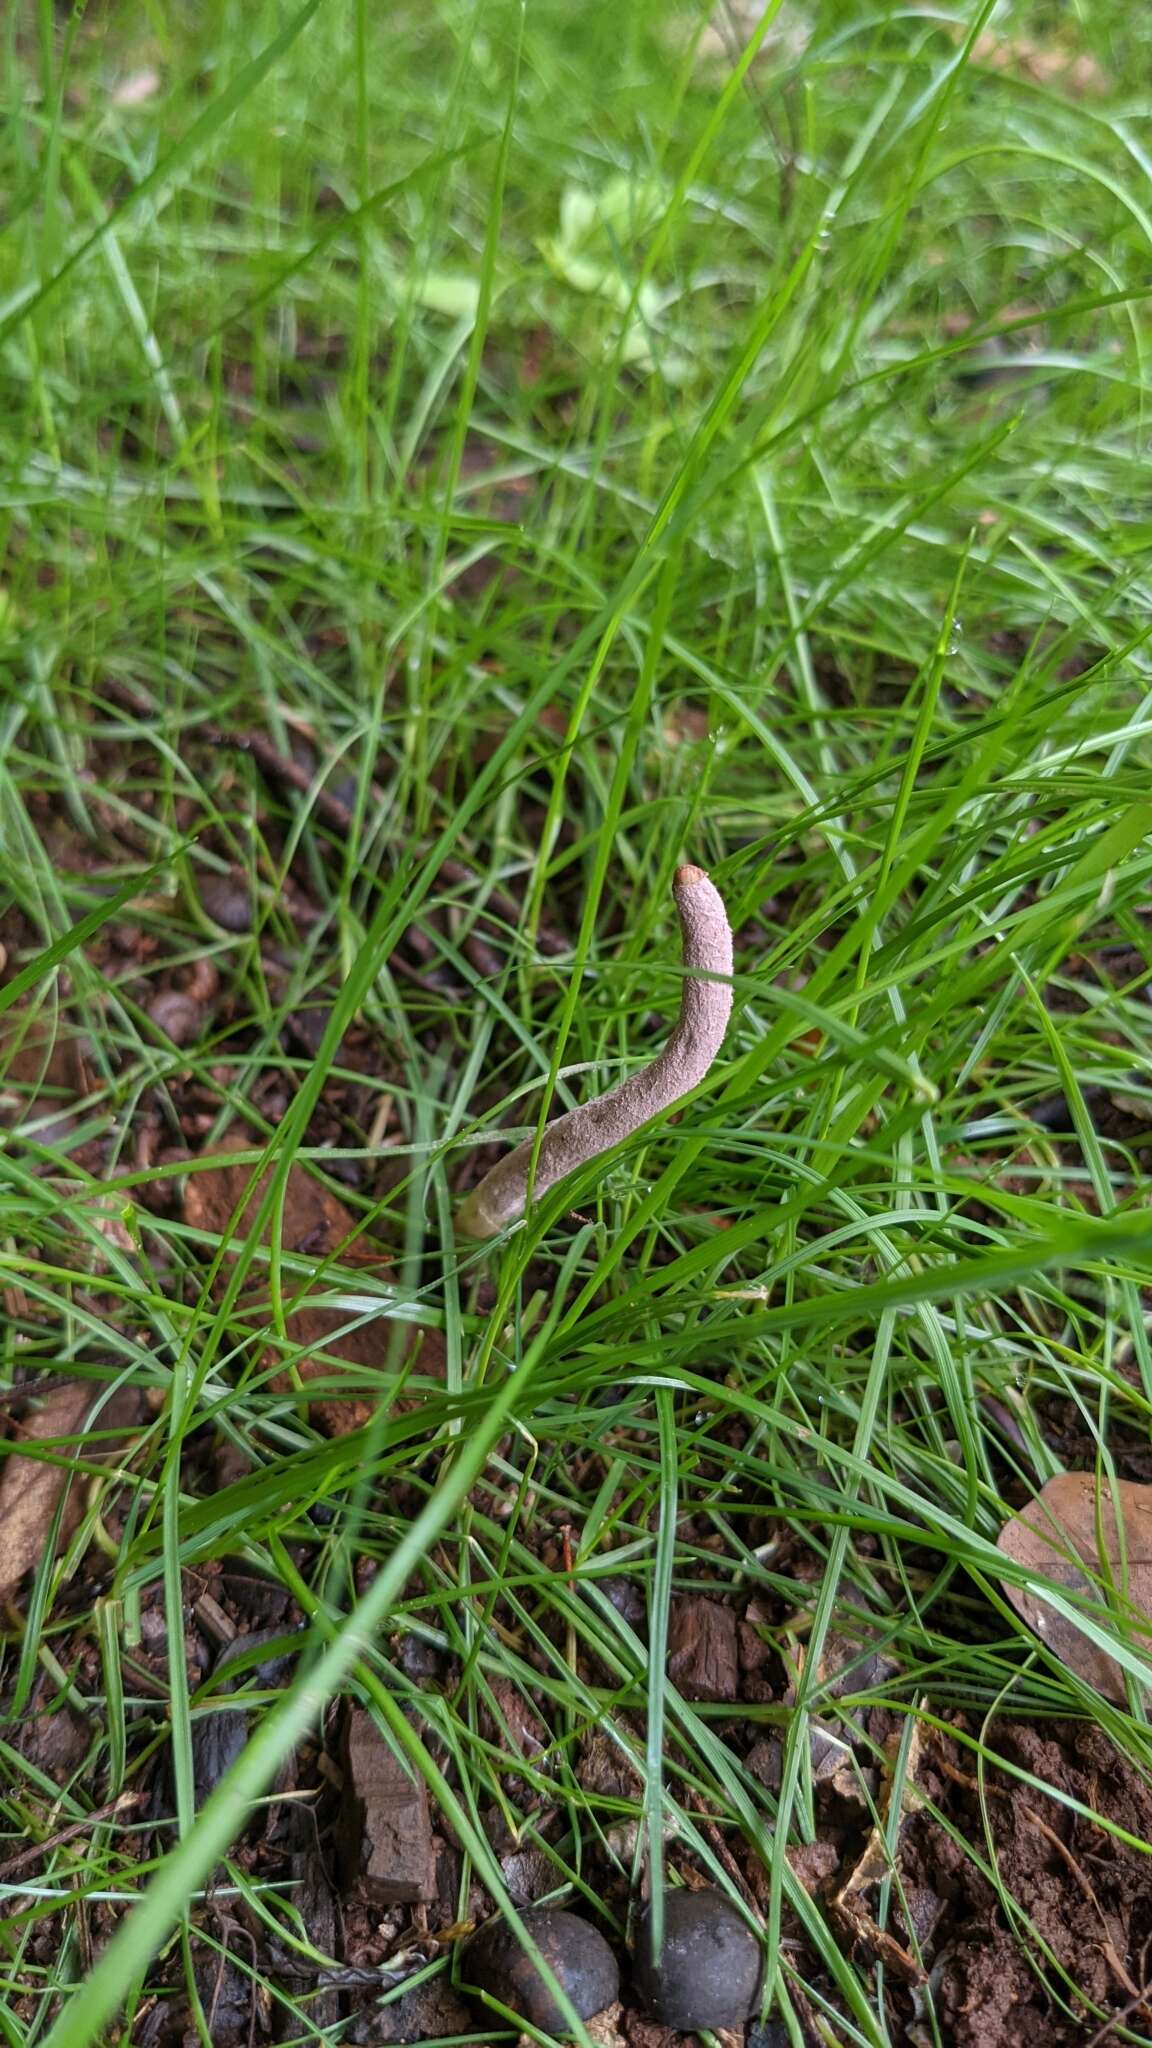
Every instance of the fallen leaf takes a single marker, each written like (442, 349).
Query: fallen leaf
(30, 1488)
(42, 1071)
(1061, 1530)
(321, 1330)
(315, 1223)
(513, 1725)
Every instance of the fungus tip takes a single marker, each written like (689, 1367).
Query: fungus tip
(594, 1127)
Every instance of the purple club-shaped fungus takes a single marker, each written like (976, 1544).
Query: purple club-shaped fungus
(596, 1126)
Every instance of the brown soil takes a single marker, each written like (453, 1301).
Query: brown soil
(1084, 1893)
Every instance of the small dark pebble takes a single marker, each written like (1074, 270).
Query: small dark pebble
(178, 1016)
(226, 901)
(710, 1969)
(579, 1956)
(628, 1600)
(305, 1028)
(219, 1737)
(419, 1659)
(261, 1599)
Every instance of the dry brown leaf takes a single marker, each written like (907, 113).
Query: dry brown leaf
(315, 1224)
(514, 1720)
(30, 1488)
(42, 1071)
(1108, 1525)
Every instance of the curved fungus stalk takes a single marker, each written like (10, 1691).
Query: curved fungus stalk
(572, 1140)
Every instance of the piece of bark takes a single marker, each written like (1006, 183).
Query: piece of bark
(312, 1896)
(529, 1875)
(386, 1827)
(755, 1647)
(315, 1901)
(765, 1760)
(1070, 1519)
(850, 1661)
(263, 1602)
(227, 1996)
(702, 1649)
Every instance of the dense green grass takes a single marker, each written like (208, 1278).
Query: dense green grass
(608, 454)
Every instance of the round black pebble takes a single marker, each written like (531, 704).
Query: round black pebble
(708, 1973)
(225, 899)
(580, 1958)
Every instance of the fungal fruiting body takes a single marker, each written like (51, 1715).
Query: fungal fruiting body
(594, 1127)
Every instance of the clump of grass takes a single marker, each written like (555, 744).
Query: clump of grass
(577, 457)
